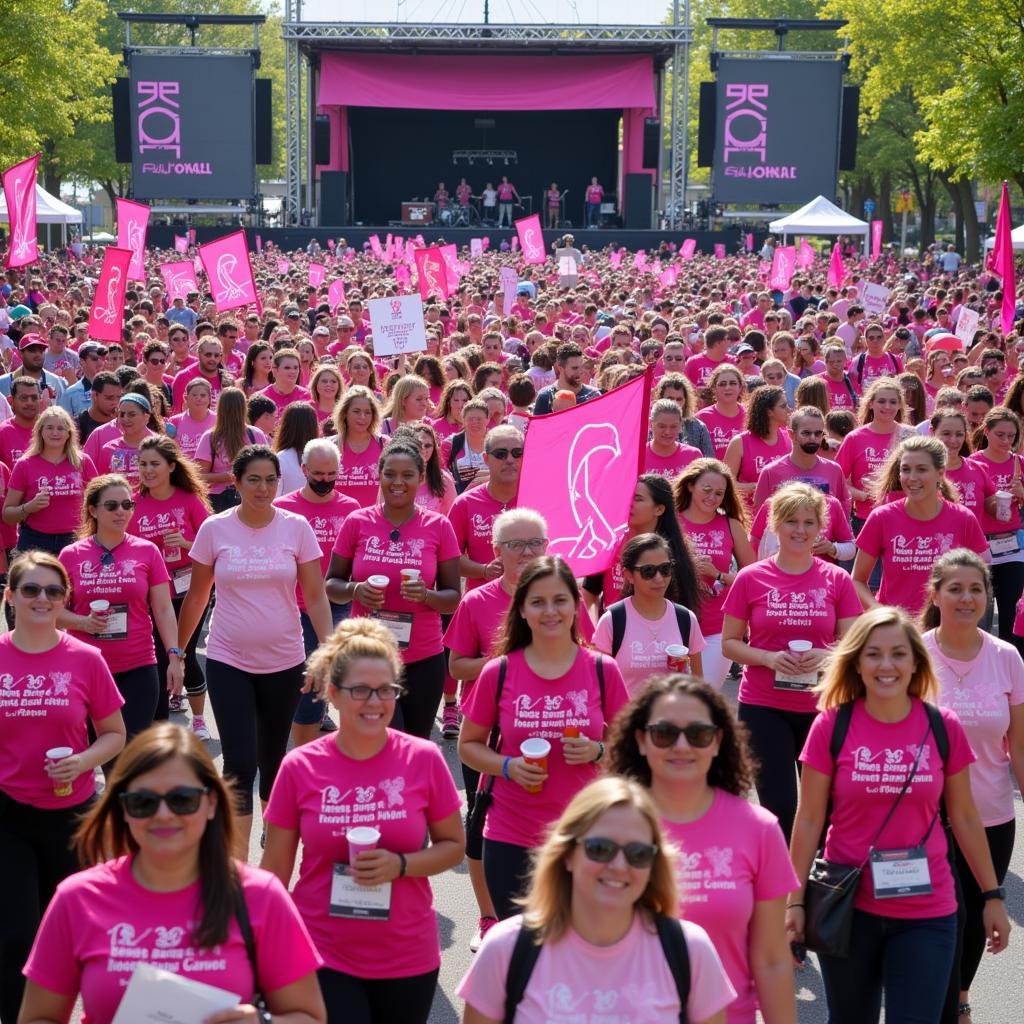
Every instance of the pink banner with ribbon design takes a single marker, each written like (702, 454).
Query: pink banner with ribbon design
(336, 294)
(531, 238)
(432, 272)
(783, 265)
(229, 271)
(805, 255)
(317, 274)
(20, 194)
(179, 279)
(132, 225)
(106, 317)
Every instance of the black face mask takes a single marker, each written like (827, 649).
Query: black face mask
(321, 487)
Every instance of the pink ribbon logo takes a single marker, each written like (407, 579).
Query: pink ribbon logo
(110, 310)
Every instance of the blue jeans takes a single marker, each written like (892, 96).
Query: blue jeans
(311, 710)
(907, 959)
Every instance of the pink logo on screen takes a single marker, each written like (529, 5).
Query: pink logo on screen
(745, 134)
(159, 129)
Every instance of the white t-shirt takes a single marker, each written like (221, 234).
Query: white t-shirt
(490, 197)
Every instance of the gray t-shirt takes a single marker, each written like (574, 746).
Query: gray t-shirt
(59, 363)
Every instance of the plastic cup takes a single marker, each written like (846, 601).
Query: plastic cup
(99, 606)
(800, 646)
(58, 754)
(1003, 505)
(360, 839)
(410, 575)
(535, 750)
(378, 581)
(677, 658)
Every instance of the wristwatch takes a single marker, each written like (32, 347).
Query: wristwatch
(264, 1016)
(176, 651)
(999, 893)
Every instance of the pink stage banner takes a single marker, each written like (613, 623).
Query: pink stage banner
(573, 467)
(179, 279)
(688, 248)
(227, 266)
(20, 193)
(181, 243)
(531, 238)
(317, 274)
(876, 239)
(432, 272)
(719, 250)
(836, 270)
(106, 317)
(336, 294)
(783, 265)
(805, 256)
(132, 225)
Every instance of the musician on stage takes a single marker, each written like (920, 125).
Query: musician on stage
(506, 194)
(554, 205)
(463, 193)
(443, 201)
(490, 203)
(595, 195)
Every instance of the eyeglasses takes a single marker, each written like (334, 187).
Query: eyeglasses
(156, 362)
(144, 803)
(604, 851)
(53, 591)
(698, 734)
(113, 506)
(991, 371)
(501, 454)
(648, 572)
(384, 693)
(519, 546)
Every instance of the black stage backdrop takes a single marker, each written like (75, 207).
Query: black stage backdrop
(402, 154)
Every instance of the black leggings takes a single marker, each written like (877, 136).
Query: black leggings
(471, 782)
(377, 1000)
(140, 688)
(507, 873)
(1007, 584)
(254, 713)
(776, 739)
(424, 683)
(35, 850)
(195, 682)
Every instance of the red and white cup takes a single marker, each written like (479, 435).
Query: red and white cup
(1004, 505)
(410, 575)
(55, 754)
(361, 839)
(535, 750)
(677, 658)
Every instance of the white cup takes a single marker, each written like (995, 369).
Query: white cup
(58, 754)
(410, 575)
(800, 646)
(535, 751)
(1003, 505)
(378, 581)
(360, 839)
(99, 606)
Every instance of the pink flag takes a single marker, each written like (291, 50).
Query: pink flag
(179, 279)
(688, 248)
(476, 247)
(531, 238)
(20, 193)
(336, 294)
(1002, 261)
(668, 276)
(615, 260)
(192, 236)
(403, 276)
(749, 242)
(514, 244)
(283, 266)
(259, 243)
(433, 277)
(783, 265)
(805, 257)
(227, 266)
(330, 244)
(181, 243)
(836, 270)
(106, 317)
(640, 260)
(575, 469)
(317, 273)
(132, 224)
(450, 255)
(375, 247)
(876, 239)
(389, 251)
(719, 250)
(487, 242)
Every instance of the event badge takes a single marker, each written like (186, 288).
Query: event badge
(900, 872)
(117, 624)
(398, 624)
(796, 682)
(1003, 543)
(182, 580)
(362, 902)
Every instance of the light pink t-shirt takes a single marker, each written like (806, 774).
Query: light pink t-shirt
(102, 922)
(255, 623)
(65, 484)
(532, 706)
(731, 858)
(993, 683)
(137, 567)
(872, 766)
(320, 793)
(189, 431)
(472, 517)
(220, 463)
(861, 455)
(670, 466)
(826, 476)
(427, 499)
(780, 606)
(46, 700)
(642, 653)
(575, 982)
(183, 512)
(722, 428)
(424, 542)
(1001, 475)
(909, 547)
(99, 437)
(358, 476)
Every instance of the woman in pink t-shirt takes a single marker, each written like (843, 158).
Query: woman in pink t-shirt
(791, 598)
(357, 434)
(902, 943)
(409, 403)
(286, 387)
(370, 775)
(712, 517)
(449, 410)
(908, 535)
(764, 440)
(163, 890)
(973, 485)
(735, 872)
(258, 368)
(325, 391)
(360, 371)
(197, 419)
(551, 688)
(121, 453)
(437, 492)
(44, 496)
(53, 687)
(218, 448)
(981, 678)
(664, 454)
(727, 417)
(602, 887)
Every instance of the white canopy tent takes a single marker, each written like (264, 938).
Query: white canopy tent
(820, 217)
(1016, 239)
(49, 210)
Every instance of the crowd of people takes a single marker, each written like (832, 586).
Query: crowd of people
(829, 510)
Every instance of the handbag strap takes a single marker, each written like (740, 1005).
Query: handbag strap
(245, 927)
(494, 739)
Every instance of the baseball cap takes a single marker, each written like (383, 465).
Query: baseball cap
(30, 340)
(17, 312)
(90, 348)
(743, 349)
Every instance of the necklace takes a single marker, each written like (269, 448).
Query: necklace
(395, 534)
(959, 677)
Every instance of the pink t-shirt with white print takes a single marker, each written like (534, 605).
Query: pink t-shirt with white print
(722, 428)
(472, 517)
(188, 431)
(670, 466)
(862, 454)
(712, 541)
(757, 453)
(181, 512)
(973, 485)
(63, 482)
(358, 476)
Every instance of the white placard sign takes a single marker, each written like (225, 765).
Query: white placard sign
(567, 271)
(967, 325)
(397, 324)
(875, 299)
(509, 284)
(162, 997)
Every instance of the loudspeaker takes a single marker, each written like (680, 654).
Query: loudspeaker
(652, 141)
(333, 199)
(322, 139)
(638, 201)
(122, 121)
(706, 124)
(848, 128)
(264, 147)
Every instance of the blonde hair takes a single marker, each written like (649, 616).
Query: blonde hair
(889, 477)
(403, 389)
(353, 392)
(71, 450)
(790, 498)
(842, 682)
(547, 907)
(866, 414)
(322, 371)
(352, 640)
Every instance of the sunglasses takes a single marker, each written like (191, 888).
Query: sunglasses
(648, 572)
(604, 851)
(113, 506)
(501, 454)
(144, 803)
(53, 591)
(665, 734)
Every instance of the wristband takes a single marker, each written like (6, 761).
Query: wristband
(600, 752)
(504, 769)
(794, 906)
(404, 865)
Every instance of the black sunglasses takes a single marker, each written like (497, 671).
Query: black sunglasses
(604, 851)
(144, 803)
(501, 454)
(53, 591)
(665, 734)
(648, 572)
(112, 506)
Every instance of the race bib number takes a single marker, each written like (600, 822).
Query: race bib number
(900, 873)
(364, 902)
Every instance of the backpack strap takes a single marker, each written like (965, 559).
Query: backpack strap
(683, 622)
(938, 724)
(850, 388)
(600, 678)
(840, 727)
(677, 955)
(618, 614)
(525, 954)
(860, 368)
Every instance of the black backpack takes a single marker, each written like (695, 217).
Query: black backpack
(862, 358)
(527, 950)
(618, 614)
(844, 713)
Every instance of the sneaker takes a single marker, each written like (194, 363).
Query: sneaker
(328, 724)
(486, 924)
(199, 727)
(176, 704)
(450, 719)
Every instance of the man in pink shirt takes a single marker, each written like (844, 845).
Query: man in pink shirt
(210, 356)
(755, 318)
(16, 433)
(594, 196)
(700, 367)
